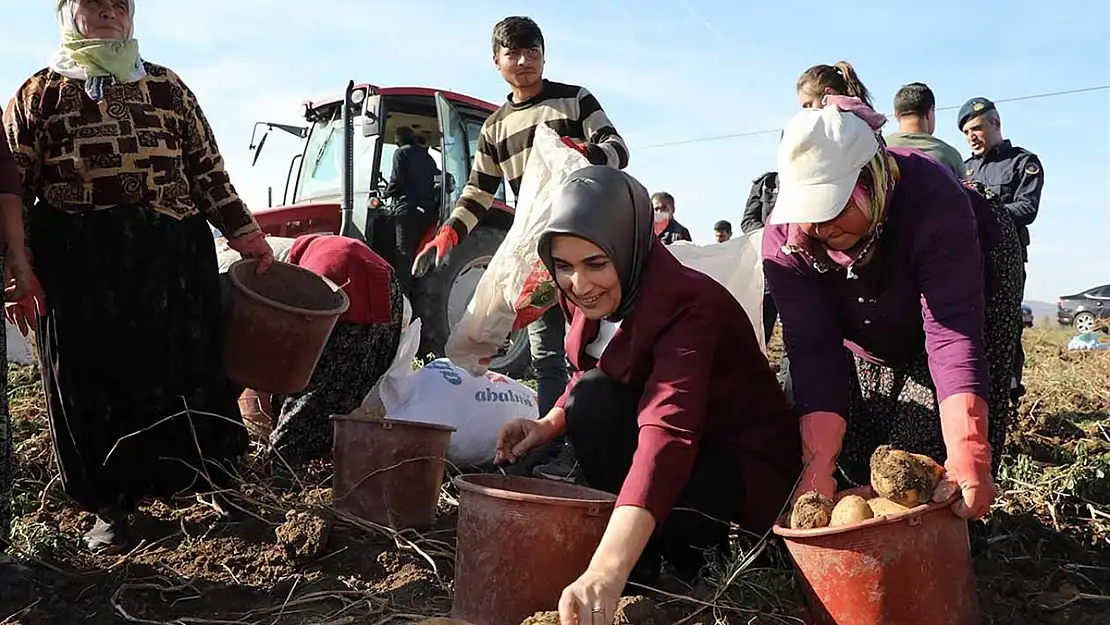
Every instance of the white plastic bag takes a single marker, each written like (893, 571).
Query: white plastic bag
(442, 393)
(515, 272)
(738, 265)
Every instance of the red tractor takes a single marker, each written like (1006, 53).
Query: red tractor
(335, 184)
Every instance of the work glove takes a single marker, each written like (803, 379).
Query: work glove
(24, 308)
(254, 245)
(822, 436)
(581, 148)
(434, 252)
(963, 422)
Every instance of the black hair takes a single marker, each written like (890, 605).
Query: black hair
(915, 98)
(664, 196)
(517, 33)
(723, 226)
(404, 135)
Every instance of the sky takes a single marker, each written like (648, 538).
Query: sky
(665, 71)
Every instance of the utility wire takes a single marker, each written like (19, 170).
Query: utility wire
(754, 133)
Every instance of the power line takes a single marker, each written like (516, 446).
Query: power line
(755, 133)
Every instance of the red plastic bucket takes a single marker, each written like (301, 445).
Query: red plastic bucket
(521, 541)
(910, 568)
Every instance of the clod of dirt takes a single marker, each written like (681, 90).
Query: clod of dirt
(881, 505)
(639, 611)
(849, 510)
(304, 535)
(542, 618)
(902, 477)
(812, 510)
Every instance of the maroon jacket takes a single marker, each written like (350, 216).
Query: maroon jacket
(693, 350)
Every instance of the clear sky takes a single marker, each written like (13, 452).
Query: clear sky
(665, 70)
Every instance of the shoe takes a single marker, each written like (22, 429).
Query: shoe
(563, 467)
(109, 536)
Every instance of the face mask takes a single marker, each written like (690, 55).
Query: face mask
(661, 216)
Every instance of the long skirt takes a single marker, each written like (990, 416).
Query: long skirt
(354, 358)
(130, 348)
(6, 468)
(898, 405)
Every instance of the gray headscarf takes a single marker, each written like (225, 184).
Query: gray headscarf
(612, 210)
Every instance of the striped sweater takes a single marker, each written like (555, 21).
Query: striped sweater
(506, 141)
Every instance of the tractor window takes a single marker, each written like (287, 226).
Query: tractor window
(473, 131)
(321, 168)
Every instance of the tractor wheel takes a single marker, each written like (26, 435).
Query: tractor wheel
(442, 296)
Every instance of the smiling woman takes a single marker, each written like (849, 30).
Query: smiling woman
(123, 177)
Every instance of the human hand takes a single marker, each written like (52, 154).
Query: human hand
(254, 245)
(574, 145)
(17, 273)
(520, 436)
(24, 311)
(822, 436)
(963, 419)
(591, 599)
(434, 252)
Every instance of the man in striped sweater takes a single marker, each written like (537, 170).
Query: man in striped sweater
(503, 149)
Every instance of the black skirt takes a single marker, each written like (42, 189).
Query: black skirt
(130, 349)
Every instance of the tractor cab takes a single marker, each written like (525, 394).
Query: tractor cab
(336, 185)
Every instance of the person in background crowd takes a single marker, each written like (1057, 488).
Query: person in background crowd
(412, 189)
(502, 154)
(123, 176)
(674, 407)
(1012, 173)
(358, 352)
(15, 265)
(854, 259)
(825, 80)
(761, 200)
(915, 108)
(667, 227)
(722, 230)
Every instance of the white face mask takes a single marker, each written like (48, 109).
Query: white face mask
(661, 216)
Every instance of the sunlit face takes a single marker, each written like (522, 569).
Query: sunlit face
(103, 19)
(722, 235)
(982, 133)
(522, 68)
(586, 274)
(810, 99)
(842, 232)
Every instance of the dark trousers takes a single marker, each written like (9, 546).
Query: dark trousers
(412, 222)
(770, 315)
(603, 430)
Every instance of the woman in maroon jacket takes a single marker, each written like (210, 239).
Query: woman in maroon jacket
(674, 406)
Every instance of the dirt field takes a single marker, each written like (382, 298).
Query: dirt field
(1044, 557)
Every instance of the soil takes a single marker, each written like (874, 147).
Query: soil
(812, 510)
(630, 611)
(902, 477)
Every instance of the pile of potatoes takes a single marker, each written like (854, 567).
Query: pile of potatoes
(900, 479)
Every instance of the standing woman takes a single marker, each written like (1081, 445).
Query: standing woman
(825, 80)
(122, 175)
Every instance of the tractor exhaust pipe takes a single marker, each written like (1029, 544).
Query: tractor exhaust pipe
(347, 201)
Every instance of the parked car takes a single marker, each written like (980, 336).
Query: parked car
(1026, 316)
(1084, 309)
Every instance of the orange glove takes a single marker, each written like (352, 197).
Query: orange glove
(23, 310)
(443, 242)
(254, 245)
(822, 436)
(582, 148)
(963, 422)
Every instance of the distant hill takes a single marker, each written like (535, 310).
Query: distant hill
(1041, 312)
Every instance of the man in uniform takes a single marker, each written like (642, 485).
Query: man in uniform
(1013, 173)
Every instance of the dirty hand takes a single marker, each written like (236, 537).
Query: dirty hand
(822, 435)
(591, 599)
(433, 253)
(963, 421)
(254, 245)
(574, 145)
(23, 312)
(520, 436)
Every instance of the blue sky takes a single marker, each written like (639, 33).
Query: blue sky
(665, 70)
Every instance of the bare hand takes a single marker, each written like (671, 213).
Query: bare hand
(520, 436)
(254, 245)
(17, 274)
(591, 599)
(24, 312)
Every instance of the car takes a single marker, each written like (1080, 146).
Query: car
(1085, 310)
(1026, 316)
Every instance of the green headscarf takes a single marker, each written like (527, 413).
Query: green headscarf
(93, 60)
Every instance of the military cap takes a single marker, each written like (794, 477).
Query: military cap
(974, 108)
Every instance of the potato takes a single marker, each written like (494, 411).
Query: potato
(849, 510)
(882, 506)
(812, 510)
(902, 477)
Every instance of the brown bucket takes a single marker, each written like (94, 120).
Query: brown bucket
(386, 471)
(521, 541)
(278, 324)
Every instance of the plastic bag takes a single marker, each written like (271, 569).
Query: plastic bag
(516, 289)
(738, 265)
(1087, 341)
(442, 393)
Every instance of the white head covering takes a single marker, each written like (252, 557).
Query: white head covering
(84, 58)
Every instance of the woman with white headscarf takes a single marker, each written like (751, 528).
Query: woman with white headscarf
(121, 176)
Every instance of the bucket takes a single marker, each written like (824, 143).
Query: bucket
(386, 471)
(521, 541)
(909, 568)
(278, 324)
